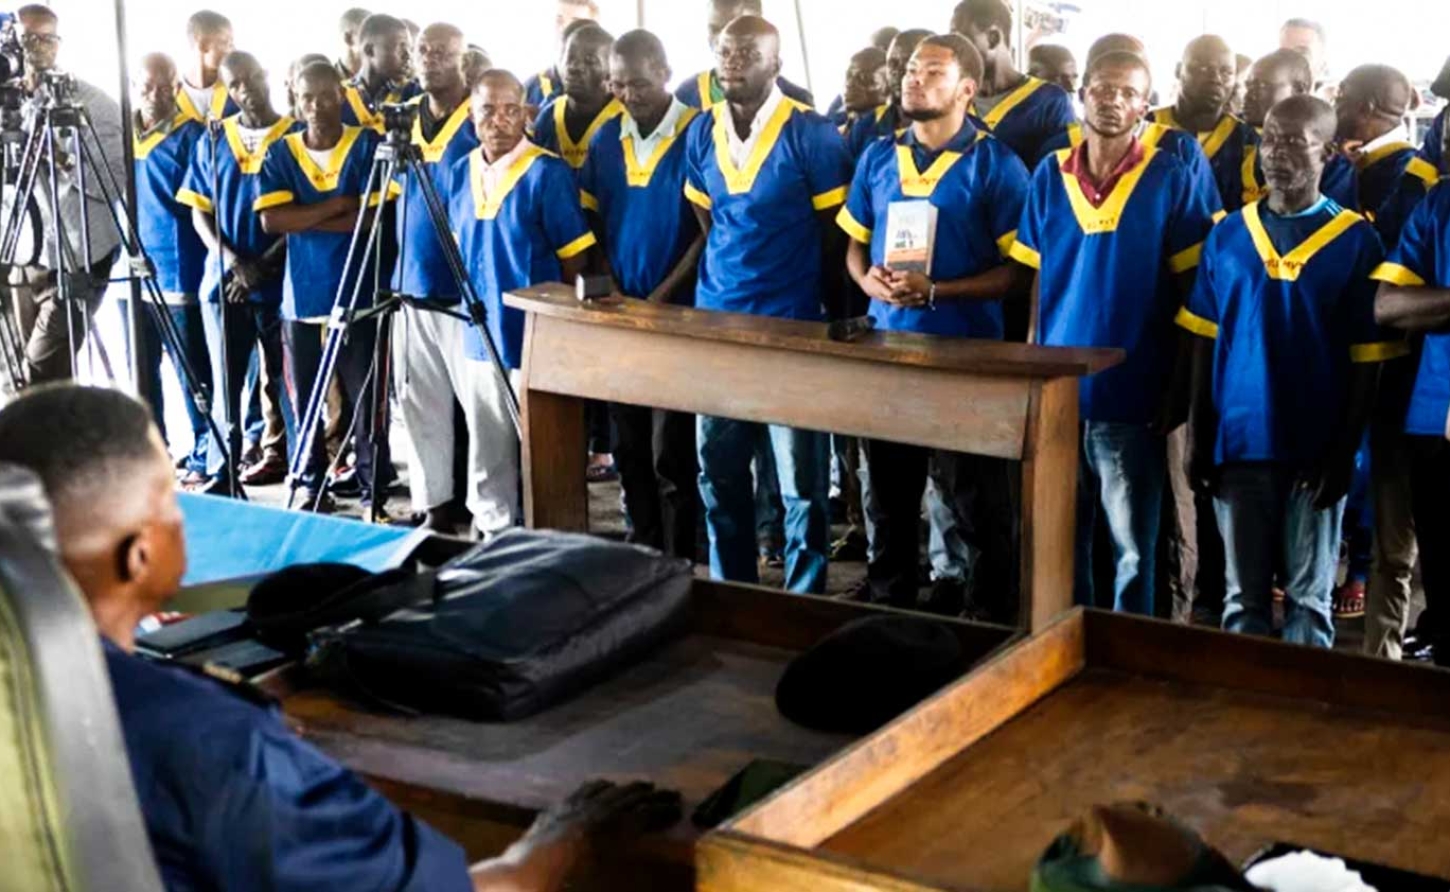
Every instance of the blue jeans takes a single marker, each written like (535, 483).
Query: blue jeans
(1122, 473)
(769, 510)
(189, 329)
(1268, 520)
(802, 461)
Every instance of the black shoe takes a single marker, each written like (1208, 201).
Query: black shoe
(850, 547)
(310, 500)
(346, 485)
(948, 597)
(772, 555)
(859, 593)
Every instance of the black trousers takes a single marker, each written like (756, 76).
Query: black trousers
(658, 471)
(979, 490)
(302, 349)
(1430, 503)
(249, 327)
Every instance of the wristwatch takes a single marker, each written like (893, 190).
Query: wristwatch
(931, 297)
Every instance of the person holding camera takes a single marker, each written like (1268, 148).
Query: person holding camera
(53, 331)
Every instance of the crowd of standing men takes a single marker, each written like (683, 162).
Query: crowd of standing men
(1275, 268)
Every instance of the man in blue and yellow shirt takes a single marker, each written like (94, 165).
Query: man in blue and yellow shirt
(766, 175)
(165, 140)
(570, 16)
(978, 186)
(1019, 109)
(1271, 80)
(1284, 369)
(705, 91)
(886, 119)
(1114, 230)
(242, 276)
(567, 125)
(1415, 297)
(383, 78)
(311, 191)
(632, 187)
(432, 361)
(200, 94)
(1371, 105)
(1206, 78)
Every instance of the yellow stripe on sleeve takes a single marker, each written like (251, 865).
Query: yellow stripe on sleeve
(1186, 259)
(1378, 352)
(1395, 274)
(272, 199)
(1025, 255)
(696, 197)
(852, 227)
(578, 246)
(194, 200)
(587, 201)
(1005, 243)
(829, 199)
(1196, 324)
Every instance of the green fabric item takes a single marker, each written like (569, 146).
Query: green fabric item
(1064, 868)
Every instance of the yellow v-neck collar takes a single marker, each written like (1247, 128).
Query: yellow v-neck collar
(1097, 220)
(251, 162)
(366, 117)
(433, 149)
(1150, 134)
(323, 179)
(1253, 190)
(1286, 268)
(1011, 101)
(546, 84)
(487, 206)
(921, 184)
(142, 146)
(1370, 159)
(214, 113)
(1210, 140)
(639, 176)
(705, 83)
(576, 152)
(738, 182)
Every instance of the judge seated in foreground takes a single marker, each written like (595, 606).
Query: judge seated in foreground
(232, 798)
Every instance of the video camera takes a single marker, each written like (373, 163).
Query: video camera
(398, 120)
(12, 53)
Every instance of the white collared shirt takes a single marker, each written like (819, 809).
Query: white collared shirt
(1399, 134)
(740, 149)
(493, 173)
(644, 146)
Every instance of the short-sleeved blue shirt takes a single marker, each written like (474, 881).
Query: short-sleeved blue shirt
(550, 131)
(237, 173)
(978, 186)
(515, 236)
(703, 91)
(235, 802)
(648, 222)
(763, 253)
(316, 260)
(1422, 257)
(1177, 143)
(1227, 147)
(422, 269)
(886, 121)
(361, 110)
(1026, 118)
(1106, 275)
(163, 222)
(1290, 305)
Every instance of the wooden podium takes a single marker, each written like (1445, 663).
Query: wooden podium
(1011, 401)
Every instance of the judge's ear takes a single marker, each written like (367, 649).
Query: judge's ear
(133, 558)
(995, 37)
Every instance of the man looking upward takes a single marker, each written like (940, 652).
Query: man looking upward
(383, 77)
(766, 175)
(887, 119)
(350, 62)
(200, 94)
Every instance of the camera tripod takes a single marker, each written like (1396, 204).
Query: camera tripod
(63, 120)
(396, 156)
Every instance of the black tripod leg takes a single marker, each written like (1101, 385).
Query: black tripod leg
(378, 391)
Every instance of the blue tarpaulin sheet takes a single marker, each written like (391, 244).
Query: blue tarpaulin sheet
(228, 539)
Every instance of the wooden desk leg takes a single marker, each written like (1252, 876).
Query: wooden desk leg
(1049, 502)
(556, 495)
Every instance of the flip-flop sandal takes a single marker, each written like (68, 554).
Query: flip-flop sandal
(601, 474)
(1349, 601)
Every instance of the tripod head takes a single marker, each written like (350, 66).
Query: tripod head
(398, 121)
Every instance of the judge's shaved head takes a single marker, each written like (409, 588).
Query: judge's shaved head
(756, 27)
(500, 80)
(1114, 43)
(1310, 112)
(319, 74)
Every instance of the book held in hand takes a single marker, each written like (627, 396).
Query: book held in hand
(910, 236)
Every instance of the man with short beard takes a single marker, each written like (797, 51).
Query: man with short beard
(978, 188)
(383, 78)
(1114, 229)
(886, 119)
(567, 124)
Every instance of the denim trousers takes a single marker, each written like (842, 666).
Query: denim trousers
(186, 319)
(1122, 474)
(727, 494)
(1268, 521)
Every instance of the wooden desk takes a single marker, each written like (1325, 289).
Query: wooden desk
(1248, 741)
(1010, 401)
(687, 717)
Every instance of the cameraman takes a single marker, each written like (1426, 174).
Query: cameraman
(43, 319)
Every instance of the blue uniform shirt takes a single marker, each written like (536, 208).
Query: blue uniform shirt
(361, 110)
(703, 91)
(551, 133)
(1414, 183)
(221, 105)
(763, 253)
(1290, 305)
(648, 222)
(1177, 143)
(1433, 148)
(235, 801)
(515, 236)
(1339, 182)
(1422, 257)
(885, 121)
(978, 186)
(1227, 147)
(1026, 118)
(542, 87)
(1107, 275)
(422, 270)
(164, 223)
(237, 173)
(1379, 173)
(316, 260)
